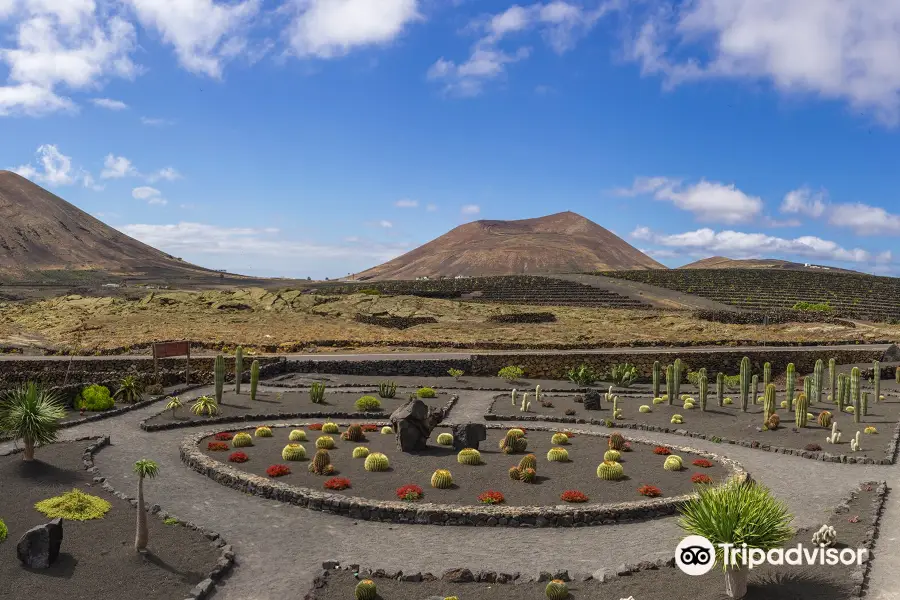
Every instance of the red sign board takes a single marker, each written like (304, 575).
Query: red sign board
(167, 349)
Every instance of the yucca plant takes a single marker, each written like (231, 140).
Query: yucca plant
(205, 405)
(174, 404)
(130, 390)
(738, 513)
(143, 468)
(31, 413)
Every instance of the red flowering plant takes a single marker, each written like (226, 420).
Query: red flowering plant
(315, 426)
(626, 447)
(217, 446)
(337, 483)
(410, 492)
(662, 450)
(238, 457)
(573, 496)
(491, 497)
(703, 463)
(224, 436)
(701, 478)
(370, 427)
(650, 491)
(278, 470)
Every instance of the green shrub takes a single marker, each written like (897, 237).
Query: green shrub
(582, 375)
(511, 373)
(130, 390)
(74, 506)
(813, 306)
(368, 403)
(426, 392)
(171, 521)
(95, 398)
(370, 291)
(3, 530)
(455, 373)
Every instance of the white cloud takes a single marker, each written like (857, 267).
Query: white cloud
(205, 34)
(330, 28)
(804, 201)
(406, 203)
(156, 122)
(164, 174)
(54, 168)
(385, 224)
(117, 167)
(833, 48)
(32, 100)
(708, 200)
(149, 194)
(470, 209)
(560, 23)
(109, 103)
(736, 244)
(864, 219)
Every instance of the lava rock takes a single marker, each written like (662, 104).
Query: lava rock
(468, 436)
(38, 547)
(413, 424)
(593, 400)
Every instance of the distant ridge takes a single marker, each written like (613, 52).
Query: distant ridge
(722, 262)
(560, 243)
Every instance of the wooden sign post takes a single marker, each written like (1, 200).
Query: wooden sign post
(169, 349)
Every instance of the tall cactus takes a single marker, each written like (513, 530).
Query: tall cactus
(876, 380)
(767, 375)
(219, 377)
(657, 375)
(679, 373)
(254, 378)
(865, 404)
(848, 389)
(839, 394)
(832, 378)
(801, 410)
(855, 394)
(720, 388)
(754, 388)
(808, 387)
(238, 368)
(818, 380)
(704, 385)
(768, 402)
(789, 385)
(897, 374)
(745, 382)
(670, 383)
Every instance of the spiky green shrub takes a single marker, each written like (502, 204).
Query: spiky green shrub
(387, 430)
(325, 442)
(242, 440)
(317, 392)
(469, 456)
(95, 398)
(558, 455)
(442, 479)
(74, 506)
(455, 373)
(557, 590)
(511, 373)
(559, 439)
(376, 461)
(445, 439)
(360, 452)
(426, 392)
(263, 431)
(612, 456)
(673, 463)
(644, 408)
(677, 419)
(354, 433)
(293, 452)
(387, 389)
(330, 428)
(31, 413)
(511, 443)
(529, 461)
(297, 435)
(368, 404)
(130, 390)
(321, 463)
(3, 531)
(205, 405)
(365, 590)
(173, 404)
(610, 470)
(616, 442)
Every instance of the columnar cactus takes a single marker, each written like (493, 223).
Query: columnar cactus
(513, 394)
(864, 404)
(767, 374)
(745, 383)
(445, 439)
(615, 411)
(678, 367)
(254, 378)
(537, 394)
(442, 479)
(526, 403)
(754, 388)
(854, 443)
(670, 383)
(800, 410)
(848, 398)
(293, 452)
(704, 385)
(242, 440)
(818, 380)
(876, 379)
(317, 392)
(238, 368)
(376, 461)
(321, 463)
(557, 590)
(610, 470)
(297, 435)
(769, 403)
(839, 397)
(855, 393)
(558, 455)
(897, 374)
(365, 590)
(790, 385)
(833, 378)
(835, 436)
(657, 376)
(673, 462)
(808, 387)
(469, 456)
(720, 388)
(219, 373)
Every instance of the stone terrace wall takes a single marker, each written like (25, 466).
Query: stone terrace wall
(397, 367)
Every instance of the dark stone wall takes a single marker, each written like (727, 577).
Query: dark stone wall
(426, 368)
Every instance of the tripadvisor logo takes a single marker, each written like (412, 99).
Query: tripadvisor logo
(696, 555)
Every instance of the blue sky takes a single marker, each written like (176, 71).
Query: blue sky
(321, 137)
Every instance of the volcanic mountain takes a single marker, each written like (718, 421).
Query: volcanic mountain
(560, 243)
(41, 232)
(722, 262)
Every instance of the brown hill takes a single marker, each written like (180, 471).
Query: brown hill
(560, 243)
(41, 232)
(721, 262)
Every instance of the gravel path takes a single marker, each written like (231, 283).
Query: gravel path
(280, 547)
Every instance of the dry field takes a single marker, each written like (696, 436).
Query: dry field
(289, 321)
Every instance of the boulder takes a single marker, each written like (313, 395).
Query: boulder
(593, 400)
(413, 424)
(468, 436)
(38, 547)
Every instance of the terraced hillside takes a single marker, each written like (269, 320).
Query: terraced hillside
(516, 289)
(851, 295)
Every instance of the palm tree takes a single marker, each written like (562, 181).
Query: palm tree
(31, 413)
(143, 468)
(130, 390)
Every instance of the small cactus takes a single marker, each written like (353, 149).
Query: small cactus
(556, 590)
(612, 456)
(727, 401)
(824, 419)
(527, 475)
(293, 452)
(442, 479)
(658, 400)
(826, 536)
(688, 405)
(529, 461)
(321, 463)
(354, 433)
(855, 445)
(376, 462)
(330, 428)
(558, 455)
(677, 419)
(317, 392)
(263, 432)
(365, 590)
(297, 435)
(870, 430)
(673, 463)
(387, 430)
(514, 473)
(242, 440)
(610, 470)
(325, 442)
(644, 408)
(469, 456)
(559, 439)
(360, 452)
(616, 441)
(511, 443)
(445, 439)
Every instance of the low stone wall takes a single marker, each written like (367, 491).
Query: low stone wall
(440, 514)
(398, 367)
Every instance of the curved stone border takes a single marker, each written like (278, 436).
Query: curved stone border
(445, 409)
(889, 459)
(226, 558)
(859, 576)
(442, 514)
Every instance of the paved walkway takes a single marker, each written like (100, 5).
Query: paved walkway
(280, 547)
